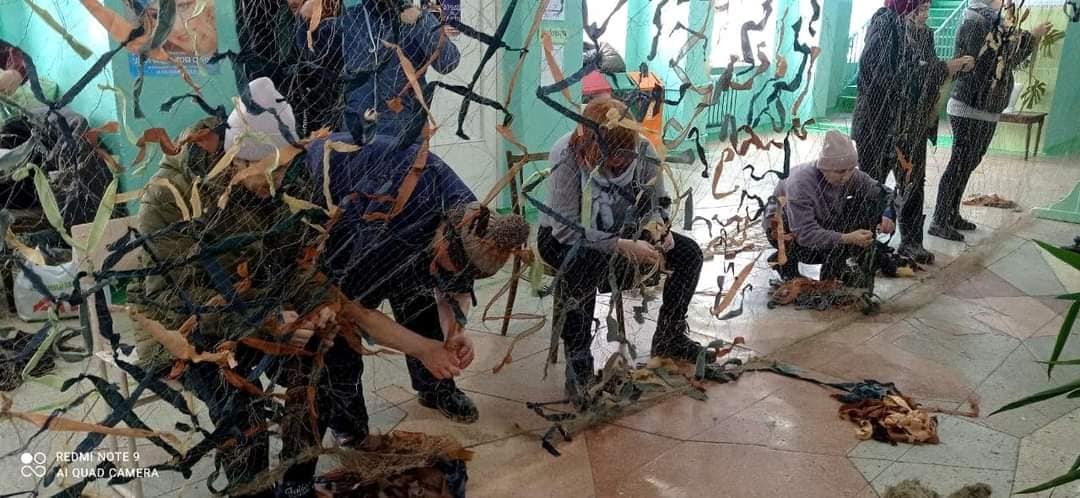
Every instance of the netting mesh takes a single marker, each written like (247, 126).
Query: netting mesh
(240, 260)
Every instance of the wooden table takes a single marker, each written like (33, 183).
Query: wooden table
(1029, 119)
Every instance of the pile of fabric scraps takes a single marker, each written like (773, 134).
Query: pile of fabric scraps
(806, 293)
(891, 419)
(992, 200)
(621, 390)
(398, 464)
(914, 489)
(894, 265)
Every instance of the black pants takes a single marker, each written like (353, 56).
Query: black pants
(971, 140)
(911, 192)
(415, 309)
(589, 270)
(878, 159)
(339, 402)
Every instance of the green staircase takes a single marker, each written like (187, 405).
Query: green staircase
(945, 17)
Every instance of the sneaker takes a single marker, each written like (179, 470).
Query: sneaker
(673, 343)
(947, 233)
(917, 253)
(452, 403)
(961, 224)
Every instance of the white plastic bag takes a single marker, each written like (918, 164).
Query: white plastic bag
(32, 305)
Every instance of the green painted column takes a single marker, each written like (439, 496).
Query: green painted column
(830, 71)
(1062, 135)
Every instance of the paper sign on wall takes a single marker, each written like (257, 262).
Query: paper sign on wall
(556, 10)
(192, 41)
(451, 11)
(558, 44)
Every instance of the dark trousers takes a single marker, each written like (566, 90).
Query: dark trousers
(877, 160)
(589, 270)
(971, 140)
(339, 403)
(417, 311)
(911, 193)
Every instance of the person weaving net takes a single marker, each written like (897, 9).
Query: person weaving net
(239, 296)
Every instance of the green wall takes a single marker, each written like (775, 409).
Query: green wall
(830, 73)
(1062, 134)
(54, 59)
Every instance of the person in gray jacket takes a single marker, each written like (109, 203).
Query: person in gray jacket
(623, 228)
(977, 101)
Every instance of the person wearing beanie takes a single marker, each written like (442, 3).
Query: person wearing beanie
(273, 265)
(381, 102)
(977, 101)
(416, 237)
(616, 177)
(893, 113)
(830, 211)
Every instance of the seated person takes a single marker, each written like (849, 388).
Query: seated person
(422, 254)
(285, 291)
(830, 212)
(627, 197)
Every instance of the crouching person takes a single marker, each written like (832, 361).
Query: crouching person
(830, 213)
(412, 233)
(257, 246)
(625, 195)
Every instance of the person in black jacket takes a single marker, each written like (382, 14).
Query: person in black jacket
(888, 106)
(977, 101)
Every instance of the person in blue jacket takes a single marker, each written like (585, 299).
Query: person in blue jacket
(372, 71)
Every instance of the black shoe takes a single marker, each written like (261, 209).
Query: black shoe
(947, 233)
(577, 390)
(917, 253)
(452, 403)
(672, 342)
(962, 224)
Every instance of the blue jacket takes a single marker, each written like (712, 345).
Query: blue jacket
(372, 260)
(373, 72)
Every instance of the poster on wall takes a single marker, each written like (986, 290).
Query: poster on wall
(556, 10)
(192, 41)
(451, 11)
(558, 44)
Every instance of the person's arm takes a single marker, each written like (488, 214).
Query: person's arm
(970, 39)
(803, 223)
(441, 361)
(880, 49)
(436, 43)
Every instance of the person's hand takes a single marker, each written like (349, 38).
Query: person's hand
(961, 64)
(440, 361)
(887, 226)
(669, 242)
(638, 251)
(9, 81)
(1041, 30)
(462, 346)
(861, 238)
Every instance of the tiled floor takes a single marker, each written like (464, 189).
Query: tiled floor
(968, 331)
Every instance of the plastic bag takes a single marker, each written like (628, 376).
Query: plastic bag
(31, 305)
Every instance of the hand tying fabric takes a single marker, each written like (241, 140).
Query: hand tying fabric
(887, 225)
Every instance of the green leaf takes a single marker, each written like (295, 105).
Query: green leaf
(1041, 396)
(1069, 297)
(45, 345)
(1070, 257)
(104, 213)
(1063, 336)
(1073, 395)
(1075, 465)
(52, 209)
(1061, 362)
(1053, 483)
(18, 157)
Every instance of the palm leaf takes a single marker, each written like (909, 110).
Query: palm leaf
(1063, 336)
(1041, 396)
(1070, 257)
(1071, 476)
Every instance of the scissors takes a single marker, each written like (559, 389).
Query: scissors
(1072, 10)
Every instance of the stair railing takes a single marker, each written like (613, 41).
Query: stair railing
(945, 35)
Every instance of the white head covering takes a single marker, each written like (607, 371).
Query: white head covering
(265, 127)
(838, 153)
